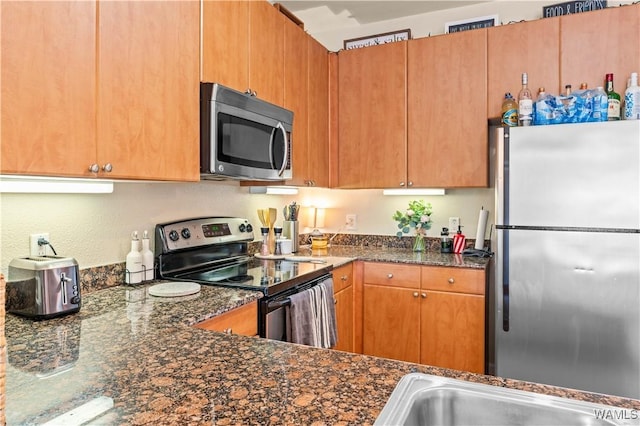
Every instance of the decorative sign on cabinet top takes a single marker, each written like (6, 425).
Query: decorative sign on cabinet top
(471, 24)
(377, 39)
(569, 7)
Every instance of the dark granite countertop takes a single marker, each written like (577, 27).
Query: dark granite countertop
(141, 353)
(399, 255)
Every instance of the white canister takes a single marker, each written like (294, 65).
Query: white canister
(285, 245)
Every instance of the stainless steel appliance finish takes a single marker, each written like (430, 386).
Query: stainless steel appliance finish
(242, 136)
(423, 399)
(214, 251)
(43, 287)
(566, 284)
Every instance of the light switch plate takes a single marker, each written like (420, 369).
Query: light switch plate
(351, 222)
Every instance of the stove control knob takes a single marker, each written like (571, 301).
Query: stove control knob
(249, 227)
(173, 235)
(186, 234)
(242, 227)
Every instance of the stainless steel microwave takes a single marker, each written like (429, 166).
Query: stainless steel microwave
(243, 137)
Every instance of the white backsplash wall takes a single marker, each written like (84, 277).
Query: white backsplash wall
(95, 229)
(374, 211)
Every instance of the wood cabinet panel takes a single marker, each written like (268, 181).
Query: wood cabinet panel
(344, 304)
(391, 327)
(318, 120)
(148, 103)
(372, 119)
(48, 98)
(453, 331)
(447, 135)
(296, 96)
(342, 277)
(595, 43)
(266, 52)
(225, 43)
(456, 280)
(344, 318)
(242, 320)
(532, 47)
(392, 274)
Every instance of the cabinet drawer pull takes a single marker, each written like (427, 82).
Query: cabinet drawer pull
(389, 275)
(451, 280)
(424, 295)
(415, 294)
(343, 278)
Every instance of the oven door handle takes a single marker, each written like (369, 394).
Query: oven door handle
(277, 304)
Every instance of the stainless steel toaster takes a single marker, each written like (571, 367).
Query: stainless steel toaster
(43, 287)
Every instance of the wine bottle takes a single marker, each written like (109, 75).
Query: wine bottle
(613, 100)
(525, 103)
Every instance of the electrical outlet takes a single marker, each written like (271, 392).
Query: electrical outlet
(351, 222)
(454, 222)
(34, 248)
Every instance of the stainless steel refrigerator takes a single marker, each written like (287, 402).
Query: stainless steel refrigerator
(565, 293)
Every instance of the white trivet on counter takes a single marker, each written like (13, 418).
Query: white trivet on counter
(174, 289)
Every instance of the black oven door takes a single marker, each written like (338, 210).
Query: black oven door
(272, 315)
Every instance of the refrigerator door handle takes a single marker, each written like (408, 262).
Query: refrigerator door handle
(505, 281)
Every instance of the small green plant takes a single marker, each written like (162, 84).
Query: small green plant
(417, 217)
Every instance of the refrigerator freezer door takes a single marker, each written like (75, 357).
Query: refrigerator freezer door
(575, 175)
(573, 310)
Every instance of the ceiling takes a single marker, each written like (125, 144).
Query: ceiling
(366, 12)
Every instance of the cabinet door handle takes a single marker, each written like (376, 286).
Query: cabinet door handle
(343, 278)
(228, 330)
(94, 168)
(415, 294)
(401, 183)
(410, 183)
(424, 295)
(389, 275)
(107, 168)
(451, 280)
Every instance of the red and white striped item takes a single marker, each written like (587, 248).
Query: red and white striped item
(458, 243)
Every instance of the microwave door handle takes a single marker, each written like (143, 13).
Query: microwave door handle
(286, 148)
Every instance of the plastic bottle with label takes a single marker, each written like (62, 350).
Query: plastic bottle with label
(509, 111)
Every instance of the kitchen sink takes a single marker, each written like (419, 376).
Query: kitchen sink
(422, 399)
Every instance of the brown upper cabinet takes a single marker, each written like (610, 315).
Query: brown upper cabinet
(532, 47)
(133, 114)
(48, 88)
(243, 47)
(447, 118)
(148, 98)
(593, 44)
(311, 122)
(372, 104)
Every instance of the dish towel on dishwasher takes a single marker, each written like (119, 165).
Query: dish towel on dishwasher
(311, 317)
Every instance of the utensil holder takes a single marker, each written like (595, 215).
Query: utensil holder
(290, 231)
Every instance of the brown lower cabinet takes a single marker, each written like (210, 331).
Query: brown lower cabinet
(425, 314)
(242, 320)
(343, 299)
